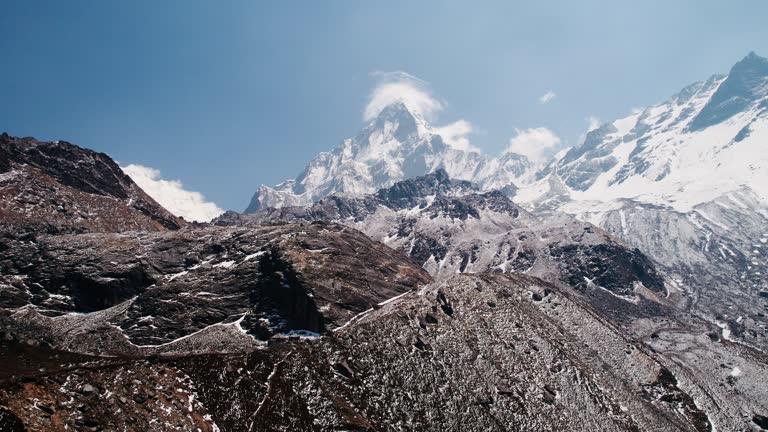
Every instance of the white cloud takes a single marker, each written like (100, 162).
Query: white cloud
(171, 194)
(535, 143)
(547, 97)
(456, 135)
(402, 87)
(416, 94)
(594, 123)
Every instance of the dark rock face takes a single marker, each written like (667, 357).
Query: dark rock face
(9, 422)
(761, 421)
(59, 187)
(406, 194)
(155, 288)
(425, 247)
(666, 390)
(610, 266)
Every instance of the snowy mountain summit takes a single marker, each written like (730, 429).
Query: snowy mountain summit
(395, 145)
(702, 142)
(707, 140)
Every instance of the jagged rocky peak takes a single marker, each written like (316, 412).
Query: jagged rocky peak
(398, 144)
(60, 187)
(83, 169)
(683, 141)
(746, 85)
(393, 146)
(437, 183)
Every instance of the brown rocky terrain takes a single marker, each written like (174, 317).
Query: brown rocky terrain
(115, 293)
(58, 187)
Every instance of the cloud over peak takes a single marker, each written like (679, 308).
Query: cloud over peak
(594, 123)
(399, 86)
(171, 194)
(416, 94)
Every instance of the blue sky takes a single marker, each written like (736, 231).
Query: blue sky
(228, 95)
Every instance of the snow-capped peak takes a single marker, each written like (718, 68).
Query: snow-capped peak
(408, 120)
(706, 140)
(395, 145)
(747, 84)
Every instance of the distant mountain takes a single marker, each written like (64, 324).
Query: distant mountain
(707, 140)
(396, 145)
(685, 181)
(451, 226)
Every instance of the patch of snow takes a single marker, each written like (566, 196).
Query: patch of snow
(171, 277)
(254, 255)
(303, 334)
(317, 250)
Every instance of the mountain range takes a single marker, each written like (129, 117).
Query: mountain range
(701, 143)
(685, 181)
(397, 144)
(401, 283)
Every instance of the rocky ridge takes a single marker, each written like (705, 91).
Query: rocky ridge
(58, 187)
(450, 227)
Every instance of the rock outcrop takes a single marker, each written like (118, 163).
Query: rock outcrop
(58, 187)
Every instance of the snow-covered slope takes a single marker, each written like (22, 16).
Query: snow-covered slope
(705, 141)
(685, 181)
(396, 145)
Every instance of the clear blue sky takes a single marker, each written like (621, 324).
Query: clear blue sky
(226, 95)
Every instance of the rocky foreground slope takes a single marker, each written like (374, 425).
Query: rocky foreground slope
(475, 352)
(299, 321)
